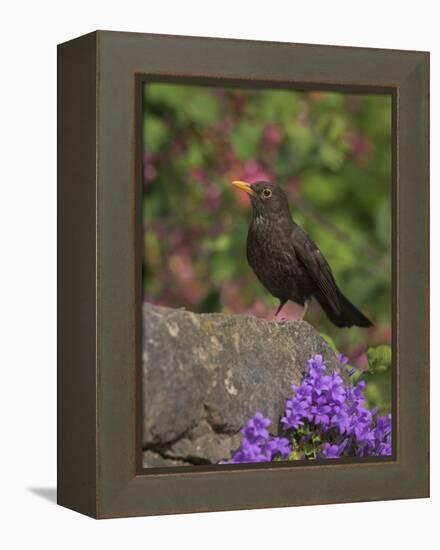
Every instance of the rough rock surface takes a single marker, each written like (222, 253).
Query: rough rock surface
(205, 375)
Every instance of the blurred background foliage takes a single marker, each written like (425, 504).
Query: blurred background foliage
(330, 151)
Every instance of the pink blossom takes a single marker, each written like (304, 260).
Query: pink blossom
(254, 171)
(359, 145)
(178, 146)
(231, 296)
(293, 187)
(358, 357)
(353, 102)
(150, 171)
(198, 174)
(272, 135)
(303, 117)
(180, 266)
(212, 197)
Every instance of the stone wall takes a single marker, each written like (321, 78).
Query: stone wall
(205, 375)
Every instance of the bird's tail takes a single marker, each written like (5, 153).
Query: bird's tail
(348, 315)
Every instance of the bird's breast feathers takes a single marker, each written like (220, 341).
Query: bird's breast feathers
(269, 243)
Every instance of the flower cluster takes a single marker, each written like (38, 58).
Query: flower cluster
(325, 418)
(258, 445)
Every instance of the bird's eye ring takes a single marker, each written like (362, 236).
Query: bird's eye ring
(267, 193)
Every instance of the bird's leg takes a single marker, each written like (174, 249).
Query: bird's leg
(280, 307)
(306, 305)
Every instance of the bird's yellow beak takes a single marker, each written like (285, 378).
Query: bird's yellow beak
(246, 187)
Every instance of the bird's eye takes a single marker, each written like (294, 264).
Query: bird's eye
(267, 193)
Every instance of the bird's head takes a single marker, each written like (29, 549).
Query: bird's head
(268, 199)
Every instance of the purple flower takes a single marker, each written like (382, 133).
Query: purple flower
(258, 445)
(342, 359)
(382, 435)
(256, 427)
(336, 390)
(344, 363)
(383, 426)
(331, 450)
(296, 409)
(341, 420)
(316, 366)
(383, 449)
(325, 417)
(279, 446)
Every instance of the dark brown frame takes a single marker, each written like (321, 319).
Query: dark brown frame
(99, 337)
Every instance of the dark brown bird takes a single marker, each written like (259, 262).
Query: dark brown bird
(287, 261)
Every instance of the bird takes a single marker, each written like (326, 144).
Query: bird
(287, 261)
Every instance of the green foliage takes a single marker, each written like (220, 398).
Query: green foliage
(378, 378)
(379, 359)
(331, 152)
(308, 450)
(330, 342)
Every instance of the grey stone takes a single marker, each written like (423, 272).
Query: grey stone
(203, 445)
(205, 375)
(150, 459)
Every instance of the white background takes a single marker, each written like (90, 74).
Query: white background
(29, 34)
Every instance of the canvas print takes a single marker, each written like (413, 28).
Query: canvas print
(267, 275)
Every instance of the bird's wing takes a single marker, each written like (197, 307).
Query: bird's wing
(317, 267)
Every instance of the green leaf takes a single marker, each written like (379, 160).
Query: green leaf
(155, 133)
(378, 391)
(331, 156)
(202, 109)
(194, 155)
(245, 140)
(329, 341)
(379, 359)
(383, 222)
(296, 455)
(222, 268)
(319, 189)
(219, 244)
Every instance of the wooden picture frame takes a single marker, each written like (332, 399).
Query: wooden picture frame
(99, 273)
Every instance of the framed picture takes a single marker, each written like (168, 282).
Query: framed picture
(243, 274)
